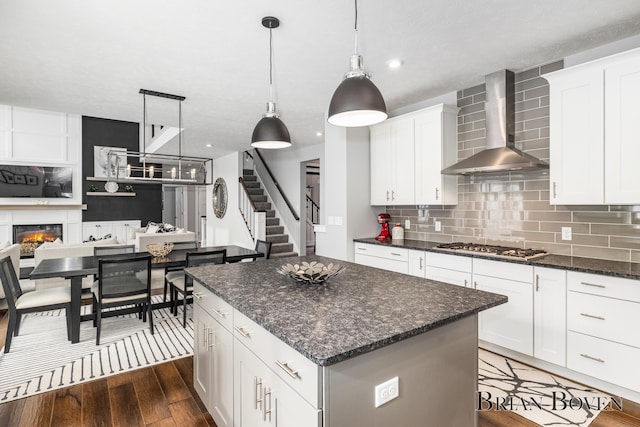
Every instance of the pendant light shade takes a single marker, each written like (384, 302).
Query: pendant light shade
(270, 132)
(356, 101)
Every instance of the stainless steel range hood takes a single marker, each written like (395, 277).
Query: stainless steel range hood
(500, 154)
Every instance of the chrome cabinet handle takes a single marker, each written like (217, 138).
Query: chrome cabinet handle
(592, 316)
(475, 285)
(197, 295)
(420, 263)
(212, 340)
(393, 195)
(242, 331)
(257, 397)
(465, 283)
(265, 411)
(220, 313)
(437, 196)
(285, 367)
(396, 254)
(537, 282)
(387, 195)
(597, 359)
(555, 188)
(593, 285)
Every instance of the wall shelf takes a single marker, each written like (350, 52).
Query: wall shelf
(43, 206)
(105, 193)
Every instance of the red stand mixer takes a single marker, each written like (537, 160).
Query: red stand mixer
(383, 220)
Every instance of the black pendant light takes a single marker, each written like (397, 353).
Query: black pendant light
(270, 132)
(356, 101)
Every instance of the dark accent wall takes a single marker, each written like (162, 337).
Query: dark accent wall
(147, 203)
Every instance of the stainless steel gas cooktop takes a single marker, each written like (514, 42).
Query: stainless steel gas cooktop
(494, 250)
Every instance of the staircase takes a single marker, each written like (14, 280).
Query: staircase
(280, 246)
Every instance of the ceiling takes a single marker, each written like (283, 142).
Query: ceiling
(92, 57)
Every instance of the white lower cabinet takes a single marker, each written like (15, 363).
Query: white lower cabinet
(417, 264)
(385, 257)
(235, 360)
(601, 339)
(213, 355)
(452, 269)
(263, 398)
(508, 325)
(118, 229)
(549, 314)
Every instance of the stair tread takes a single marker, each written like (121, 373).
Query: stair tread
(283, 254)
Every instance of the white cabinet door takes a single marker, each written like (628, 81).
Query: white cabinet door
(201, 363)
(402, 158)
(417, 263)
(435, 149)
(508, 325)
(220, 344)
(380, 149)
(459, 278)
(263, 399)
(550, 309)
(622, 133)
(576, 147)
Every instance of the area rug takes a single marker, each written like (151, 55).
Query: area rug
(41, 359)
(541, 397)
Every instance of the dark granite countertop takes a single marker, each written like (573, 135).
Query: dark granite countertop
(358, 311)
(629, 270)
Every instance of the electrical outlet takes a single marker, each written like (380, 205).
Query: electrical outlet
(566, 233)
(438, 225)
(387, 391)
(407, 224)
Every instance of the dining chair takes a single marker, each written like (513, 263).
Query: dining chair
(182, 284)
(123, 281)
(263, 247)
(20, 302)
(105, 251)
(176, 246)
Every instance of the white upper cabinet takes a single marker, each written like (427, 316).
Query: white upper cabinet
(392, 173)
(593, 134)
(436, 148)
(622, 133)
(407, 154)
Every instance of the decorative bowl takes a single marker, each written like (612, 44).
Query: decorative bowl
(159, 249)
(310, 272)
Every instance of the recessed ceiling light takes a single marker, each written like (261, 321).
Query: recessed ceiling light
(208, 145)
(318, 133)
(394, 63)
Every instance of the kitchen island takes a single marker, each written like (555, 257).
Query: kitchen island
(313, 355)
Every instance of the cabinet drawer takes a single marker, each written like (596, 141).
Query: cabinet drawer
(213, 305)
(606, 318)
(606, 360)
(292, 367)
(595, 284)
(508, 270)
(388, 252)
(460, 278)
(450, 262)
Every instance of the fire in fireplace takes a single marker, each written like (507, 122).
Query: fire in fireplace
(31, 236)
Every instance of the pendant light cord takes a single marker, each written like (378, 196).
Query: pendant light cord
(355, 26)
(270, 64)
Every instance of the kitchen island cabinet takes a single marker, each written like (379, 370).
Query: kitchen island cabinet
(313, 355)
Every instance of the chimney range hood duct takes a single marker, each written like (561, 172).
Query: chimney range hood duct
(500, 154)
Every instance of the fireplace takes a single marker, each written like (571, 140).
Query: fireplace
(31, 236)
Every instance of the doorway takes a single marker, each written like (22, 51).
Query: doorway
(184, 207)
(312, 202)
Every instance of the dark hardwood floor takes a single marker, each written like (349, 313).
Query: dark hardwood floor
(163, 395)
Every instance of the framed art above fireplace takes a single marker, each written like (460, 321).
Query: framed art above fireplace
(36, 181)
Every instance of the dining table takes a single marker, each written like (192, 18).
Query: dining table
(75, 268)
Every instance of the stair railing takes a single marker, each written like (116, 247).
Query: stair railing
(313, 210)
(255, 219)
(275, 182)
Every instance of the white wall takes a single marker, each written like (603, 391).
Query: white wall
(230, 230)
(287, 168)
(344, 192)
